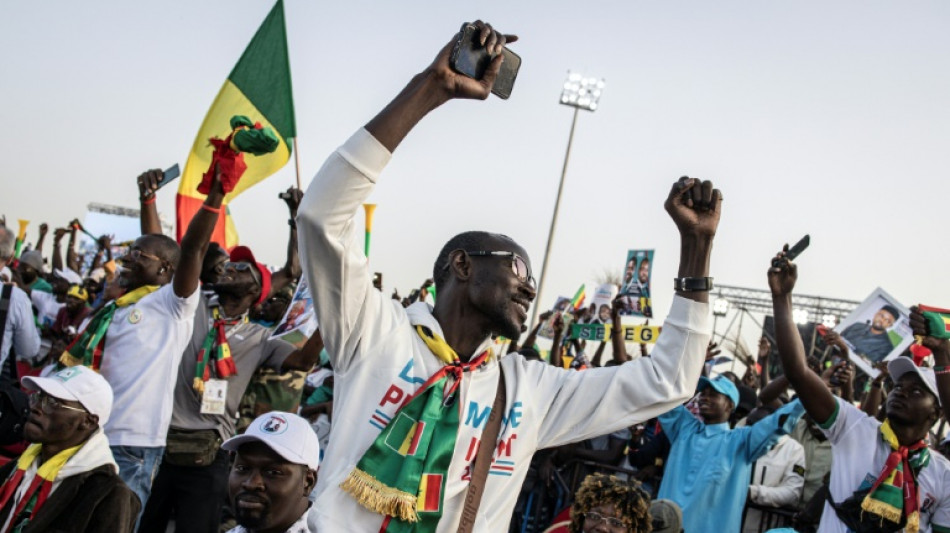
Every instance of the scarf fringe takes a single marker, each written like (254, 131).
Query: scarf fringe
(884, 510)
(379, 498)
(199, 385)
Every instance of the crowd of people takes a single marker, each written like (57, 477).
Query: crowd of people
(149, 391)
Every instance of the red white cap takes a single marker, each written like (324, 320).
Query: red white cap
(244, 254)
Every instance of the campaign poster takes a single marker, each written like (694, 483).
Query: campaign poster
(562, 306)
(877, 330)
(603, 297)
(635, 287)
(300, 320)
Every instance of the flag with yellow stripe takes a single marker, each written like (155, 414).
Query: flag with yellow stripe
(259, 88)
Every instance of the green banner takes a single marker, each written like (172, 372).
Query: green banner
(600, 332)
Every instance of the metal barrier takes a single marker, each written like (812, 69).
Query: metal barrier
(770, 517)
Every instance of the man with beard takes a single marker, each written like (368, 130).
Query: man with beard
(274, 470)
(225, 351)
(871, 339)
(883, 476)
(416, 386)
(137, 340)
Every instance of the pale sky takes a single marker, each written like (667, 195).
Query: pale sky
(812, 117)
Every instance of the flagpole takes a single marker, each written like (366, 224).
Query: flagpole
(297, 162)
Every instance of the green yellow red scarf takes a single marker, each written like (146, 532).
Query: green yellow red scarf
(87, 349)
(894, 494)
(404, 472)
(39, 489)
(216, 349)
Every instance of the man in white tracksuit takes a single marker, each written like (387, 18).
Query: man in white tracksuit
(484, 286)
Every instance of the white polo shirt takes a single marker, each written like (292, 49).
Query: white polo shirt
(140, 361)
(857, 455)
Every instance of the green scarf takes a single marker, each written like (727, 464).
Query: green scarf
(894, 494)
(87, 349)
(404, 472)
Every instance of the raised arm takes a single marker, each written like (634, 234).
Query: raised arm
(335, 266)
(44, 228)
(817, 399)
(148, 216)
(291, 270)
(195, 242)
(307, 356)
(433, 87)
(616, 332)
(57, 257)
(72, 259)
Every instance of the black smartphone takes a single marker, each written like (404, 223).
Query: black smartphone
(796, 250)
(170, 174)
(470, 58)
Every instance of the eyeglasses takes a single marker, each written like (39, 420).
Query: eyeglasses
(48, 404)
(518, 265)
(135, 254)
(597, 518)
(241, 267)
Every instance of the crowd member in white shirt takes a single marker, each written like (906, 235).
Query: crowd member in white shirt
(145, 333)
(19, 334)
(883, 475)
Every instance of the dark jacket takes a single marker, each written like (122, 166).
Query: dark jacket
(93, 501)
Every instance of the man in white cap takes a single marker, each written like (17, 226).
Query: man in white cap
(274, 470)
(67, 480)
(883, 476)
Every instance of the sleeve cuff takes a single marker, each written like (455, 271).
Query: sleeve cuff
(366, 154)
(690, 315)
(826, 425)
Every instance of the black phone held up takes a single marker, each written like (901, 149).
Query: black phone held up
(470, 58)
(794, 251)
(170, 174)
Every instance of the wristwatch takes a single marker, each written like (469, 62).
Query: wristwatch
(693, 284)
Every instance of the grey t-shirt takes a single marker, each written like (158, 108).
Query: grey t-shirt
(251, 348)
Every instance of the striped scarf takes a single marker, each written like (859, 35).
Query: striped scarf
(215, 350)
(894, 494)
(87, 349)
(39, 489)
(404, 472)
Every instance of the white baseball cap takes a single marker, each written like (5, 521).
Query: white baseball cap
(68, 275)
(77, 383)
(289, 435)
(899, 366)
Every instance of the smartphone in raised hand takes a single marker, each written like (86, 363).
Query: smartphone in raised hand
(794, 251)
(470, 58)
(169, 175)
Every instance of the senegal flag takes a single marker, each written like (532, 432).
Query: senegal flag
(259, 88)
(938, 321)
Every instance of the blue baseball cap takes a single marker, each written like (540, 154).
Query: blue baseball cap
(722, 385)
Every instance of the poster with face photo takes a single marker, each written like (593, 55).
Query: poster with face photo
(299, 321)
(603, 297)
(561, 307)
(635, 285)
(877, 330)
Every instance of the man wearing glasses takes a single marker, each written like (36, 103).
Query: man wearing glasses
(392, 466)
(67, 480)
(136, 341)
(225, 351)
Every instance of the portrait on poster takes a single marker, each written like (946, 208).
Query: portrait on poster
(877, 330)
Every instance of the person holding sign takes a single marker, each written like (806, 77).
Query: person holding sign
(420, 386)
(883, 475)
